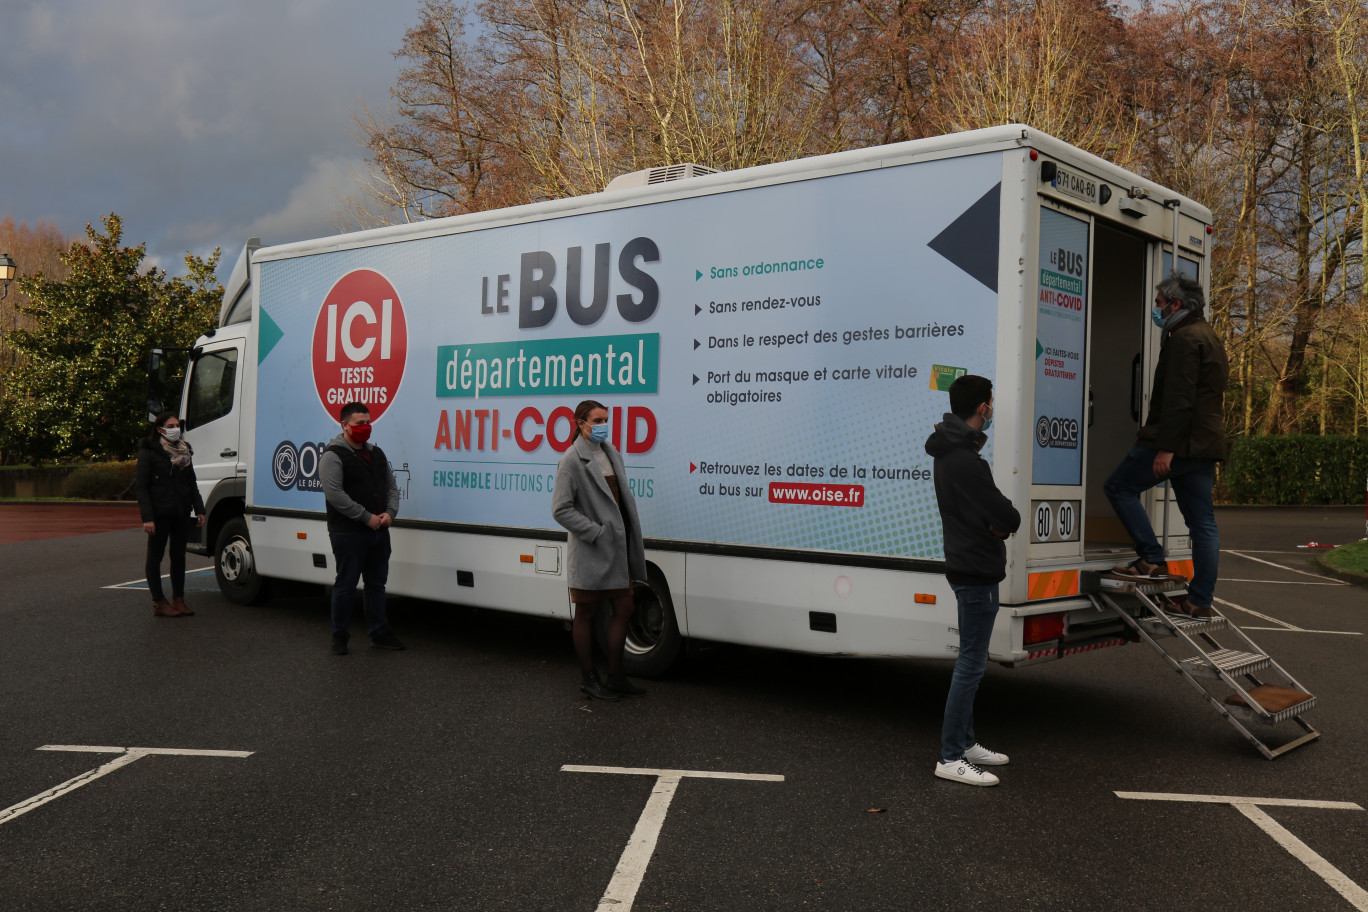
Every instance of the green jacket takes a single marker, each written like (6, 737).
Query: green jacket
(1188, 400)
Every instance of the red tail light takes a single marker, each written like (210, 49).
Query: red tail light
(1042, 627)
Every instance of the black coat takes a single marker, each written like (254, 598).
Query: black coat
(163, 489)
(1187, 401)
(969, 503)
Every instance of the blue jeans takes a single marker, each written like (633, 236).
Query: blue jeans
(1192, 481)
(360, 554)
(978, 608)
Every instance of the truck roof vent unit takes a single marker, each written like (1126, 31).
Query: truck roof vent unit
(237, 304)
(659, 175)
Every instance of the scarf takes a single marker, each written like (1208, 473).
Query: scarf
(179, 452)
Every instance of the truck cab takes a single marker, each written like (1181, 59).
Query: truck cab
(213, 407)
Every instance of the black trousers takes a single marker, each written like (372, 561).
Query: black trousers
(176, 531)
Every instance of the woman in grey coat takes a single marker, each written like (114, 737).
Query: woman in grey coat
(605, 553)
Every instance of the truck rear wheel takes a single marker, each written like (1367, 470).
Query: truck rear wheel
(654, 644)
(235, 567)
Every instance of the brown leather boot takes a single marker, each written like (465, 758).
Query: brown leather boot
(164, 609)
(178, 603)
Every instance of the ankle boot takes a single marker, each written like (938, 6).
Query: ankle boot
(590, 684)
(178, 603)
(620, 684)
(163, 608)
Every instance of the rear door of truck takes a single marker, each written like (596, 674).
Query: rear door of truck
(1100, 252)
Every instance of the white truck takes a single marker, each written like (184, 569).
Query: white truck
(773, 345)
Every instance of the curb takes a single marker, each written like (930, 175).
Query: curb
(1348, 576)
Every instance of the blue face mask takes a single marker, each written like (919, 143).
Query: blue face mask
(598, 432)
(1157, 316)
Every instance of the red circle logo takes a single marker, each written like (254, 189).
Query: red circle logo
(360, 343)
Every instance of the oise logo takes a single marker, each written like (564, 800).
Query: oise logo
(360, 344)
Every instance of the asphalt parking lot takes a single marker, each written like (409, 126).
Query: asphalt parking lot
(437, 778)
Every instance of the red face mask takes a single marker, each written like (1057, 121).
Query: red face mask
(359, 432)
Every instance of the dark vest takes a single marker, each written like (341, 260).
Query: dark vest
(364, 485)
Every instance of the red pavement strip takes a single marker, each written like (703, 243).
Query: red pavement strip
(32, 521)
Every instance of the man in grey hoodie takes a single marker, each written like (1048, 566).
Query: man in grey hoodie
(975, 519)
(362, 500)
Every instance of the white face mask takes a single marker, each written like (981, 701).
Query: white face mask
(172, 434)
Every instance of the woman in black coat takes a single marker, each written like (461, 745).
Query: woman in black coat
(167, 492)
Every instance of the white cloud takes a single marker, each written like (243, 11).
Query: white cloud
(313, 206)
(197, 123)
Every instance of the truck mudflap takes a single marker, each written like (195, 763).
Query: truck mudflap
(1066, 627)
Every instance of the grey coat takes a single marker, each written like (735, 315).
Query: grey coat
(601, 554)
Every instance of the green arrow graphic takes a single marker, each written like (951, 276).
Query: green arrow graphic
(267, 336)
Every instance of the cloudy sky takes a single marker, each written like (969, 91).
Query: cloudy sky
(201, 124)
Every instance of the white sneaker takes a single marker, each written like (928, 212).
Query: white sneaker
(966, 772)
(982, 756)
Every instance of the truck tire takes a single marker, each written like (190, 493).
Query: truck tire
(654, 644)
(235, 567)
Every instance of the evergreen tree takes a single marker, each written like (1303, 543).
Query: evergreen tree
(79, 384)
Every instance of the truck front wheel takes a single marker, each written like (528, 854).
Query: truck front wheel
(235, 567)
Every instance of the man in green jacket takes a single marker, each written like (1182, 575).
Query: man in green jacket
(1181, 441)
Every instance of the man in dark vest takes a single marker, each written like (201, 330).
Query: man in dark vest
(362, 503)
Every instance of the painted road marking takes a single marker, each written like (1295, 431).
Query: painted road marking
(622, 889)
(1339, 882)
(1229, 579)
(1260, 560)
(1282, 625)
(141, 582)
(128, 755)
(1344, 633)
(1266, 551)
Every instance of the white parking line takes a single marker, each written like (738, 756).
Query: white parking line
(622, 889)
(1282, 625)
(1227, 579)
(1338, 881)
(1260, 560)
(129, 755)
(141, 582)
(1346, 633)
(1258, 551)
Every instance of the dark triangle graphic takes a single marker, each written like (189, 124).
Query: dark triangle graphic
(971, 241)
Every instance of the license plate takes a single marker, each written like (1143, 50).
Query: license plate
(1079, 186)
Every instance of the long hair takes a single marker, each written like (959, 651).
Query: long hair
(582, 412)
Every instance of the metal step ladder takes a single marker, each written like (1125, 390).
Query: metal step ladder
(1230, 679)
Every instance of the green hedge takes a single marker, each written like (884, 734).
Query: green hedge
(1296, 469)
(102, 481)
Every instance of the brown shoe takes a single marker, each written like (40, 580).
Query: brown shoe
(164, 609)
(1186, 606)
(178, 603)
(1142, 569)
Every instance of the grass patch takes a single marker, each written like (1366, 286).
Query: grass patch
(1350, 558)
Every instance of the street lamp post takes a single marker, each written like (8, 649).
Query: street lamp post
(7, 270)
